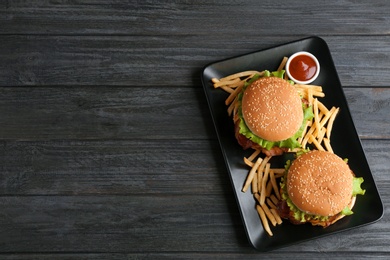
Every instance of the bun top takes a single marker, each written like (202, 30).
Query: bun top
(272, 109)
(320, 183)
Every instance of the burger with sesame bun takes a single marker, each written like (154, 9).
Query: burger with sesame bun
(271, 115)
(318, 188)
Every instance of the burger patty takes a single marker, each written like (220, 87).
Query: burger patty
(285, 212)
(247, 143)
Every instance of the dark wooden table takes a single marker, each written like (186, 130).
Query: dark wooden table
(107, 148)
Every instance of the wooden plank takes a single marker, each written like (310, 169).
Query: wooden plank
(140, 224)
(370, 108)
(281, 254)
(136, 167)
(112, 167)
(45, 113)
(221, 17)
(119, 223)
(104, 113)
(164, 61)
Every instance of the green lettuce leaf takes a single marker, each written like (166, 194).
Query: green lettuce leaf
(346, 211)
(266, 73)
(278, 74)
(357, 189)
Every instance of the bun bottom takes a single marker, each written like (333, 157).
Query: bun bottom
(331, 220)
(337, 217)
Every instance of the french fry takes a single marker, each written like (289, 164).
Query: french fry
(260, 173)
(278, 171)
(276, 215)
(330, 123)
(265, 162)
(228, 89)
(304, 141)
(321, 134)
(316, 116)
(232, 106)
(310, 96)
(304, 131)
(269, 214)
(316, 143)
(254, 184)
(264, 184)
(221, 83)
(248, 162)
(259, 179)
(323, 108)
(254, 155)
(326, 117)
(214, 80)
(274, 184)
(251, 174)
(327, 145)
(306, 138)
(308, 86)
(233, 95)
(274, 199)
(270, 203)
(268, 189)
(264, 220)
(257, 197)
(241, 75)
(235, 112)
(283, 63)
(279, 175)
(318, 93)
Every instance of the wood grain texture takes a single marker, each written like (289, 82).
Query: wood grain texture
(220, 17)
(107, 147)
(145, 223)
(88, 113)
(42, 60)
(112, 167)
(137, 224)
(104, 113)
(129, 167)
(196, 255)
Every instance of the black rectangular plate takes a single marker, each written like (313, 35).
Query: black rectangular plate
(344, 140)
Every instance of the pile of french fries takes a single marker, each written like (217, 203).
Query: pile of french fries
(233, 84)
(319, 129)
(261, 177)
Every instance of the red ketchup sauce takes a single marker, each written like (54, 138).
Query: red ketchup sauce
(302, 67)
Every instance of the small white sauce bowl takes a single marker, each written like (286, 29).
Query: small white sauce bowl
(306, 54)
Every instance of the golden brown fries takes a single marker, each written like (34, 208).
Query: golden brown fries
(264, 220)
(263, 180)
(320, 127)
(282, 64)
(251, 174)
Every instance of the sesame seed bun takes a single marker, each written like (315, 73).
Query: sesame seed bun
(320, 183)
(272, 109)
